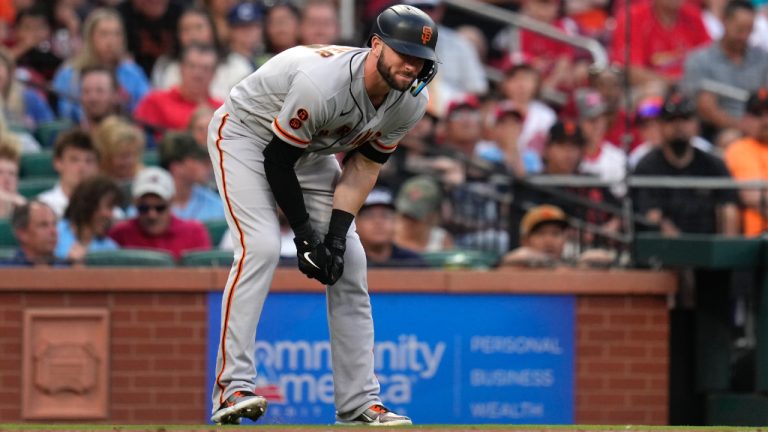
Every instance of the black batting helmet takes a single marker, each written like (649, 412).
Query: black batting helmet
(409, 31)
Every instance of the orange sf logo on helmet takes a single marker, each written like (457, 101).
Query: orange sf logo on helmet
(426, 34)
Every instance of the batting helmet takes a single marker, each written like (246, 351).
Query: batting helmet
(409, 31)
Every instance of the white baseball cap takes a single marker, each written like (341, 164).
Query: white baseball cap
(153, 180)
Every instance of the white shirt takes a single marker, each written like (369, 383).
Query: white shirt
(609, 165)
(460, 67)
(315, 98)
(535, 131)
(55, 199)
(229, 72)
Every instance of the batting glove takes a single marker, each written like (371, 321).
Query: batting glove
(314, 258)
(336, 246)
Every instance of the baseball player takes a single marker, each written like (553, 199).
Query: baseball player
(272, 144)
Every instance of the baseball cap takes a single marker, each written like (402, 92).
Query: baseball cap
(379, 196)
(566, 131)
(509, 108)
(757, 104)
(649, 107)
(153, 180)
(177, 146)
(244, 13)
(539, 215)
(419, 197)
(469, 102)
(589, 103)
(677, 105)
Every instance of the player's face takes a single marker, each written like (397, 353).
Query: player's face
(154, 214)
(398, 70)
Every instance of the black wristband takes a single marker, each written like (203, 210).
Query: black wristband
(340, 223)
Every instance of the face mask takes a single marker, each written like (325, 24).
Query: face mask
(679, 146)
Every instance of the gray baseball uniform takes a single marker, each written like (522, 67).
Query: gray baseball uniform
(310, 97)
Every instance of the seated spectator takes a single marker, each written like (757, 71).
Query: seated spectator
(104, 47)
(245, 32)
(281, 29)
(31, 45)
(88, 218)
(99, 96)
(663, 32)
(9, 176)
(172, 108)
(521, 85)
(190, 168)
(685, 210)
(155, 226)
(198, 125)
(418, 206)
(375, 224)
(731, 61)
(23, 107)
(150, 27)
(75, 159)
(319, 23)
(120, 144)
(196, 27)
(543, 238)
(34, 225)
(747, 159)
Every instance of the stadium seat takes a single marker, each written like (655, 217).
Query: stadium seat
(37, 165)
(7, 253)
(129, 258)
(31, 187)
(461, 259)
(213, 258)
(7, 239)
(151, 158)
(46, 133)
(216, 230)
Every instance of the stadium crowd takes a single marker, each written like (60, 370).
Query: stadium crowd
(116, 96)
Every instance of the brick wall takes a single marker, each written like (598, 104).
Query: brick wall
(622, 352)
(158, 349)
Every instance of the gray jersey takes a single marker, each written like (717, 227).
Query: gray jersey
(314, 97)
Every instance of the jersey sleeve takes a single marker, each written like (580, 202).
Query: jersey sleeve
(387, 143)
(302, 114)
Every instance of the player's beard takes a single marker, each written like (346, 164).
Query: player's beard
(389, 77)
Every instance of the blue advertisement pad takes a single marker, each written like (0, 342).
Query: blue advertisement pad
(440, 359)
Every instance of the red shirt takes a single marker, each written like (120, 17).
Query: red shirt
(182, 235)
(169, 109)
(656, 47)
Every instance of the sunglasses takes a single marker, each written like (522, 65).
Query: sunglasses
(145, 208)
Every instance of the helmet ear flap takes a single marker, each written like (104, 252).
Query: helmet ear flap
(428, 72)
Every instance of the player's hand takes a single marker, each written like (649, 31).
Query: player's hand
(314, 258)
(336, 246)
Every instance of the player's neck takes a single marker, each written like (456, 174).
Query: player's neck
(375, 86)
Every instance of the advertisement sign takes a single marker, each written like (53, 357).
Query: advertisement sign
(440, 359)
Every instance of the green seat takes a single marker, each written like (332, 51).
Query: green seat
(212, 258)
(216, 230)
(7, 253)
(32, 187)
(46, 133)
(129, 258)
(37, 165)
(7, 238)
(465, 259)
(151, 158)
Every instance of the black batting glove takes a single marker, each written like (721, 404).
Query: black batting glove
(314, 257)
(336, 246)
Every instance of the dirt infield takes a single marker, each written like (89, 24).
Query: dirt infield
(330, 428)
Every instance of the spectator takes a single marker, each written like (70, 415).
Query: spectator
(150, 28)
(219, 10)
(155, 226)
(87, 219)
(543, 232)
(75, 159)
(31, 45)
(10, 154)
(521, 85)
(196, 27)
(731, 61)
(662, 34)
(172, 108)
(747, 159)
(100, 96)
(281, 29)
(608, 83)
(601, 158)
(319, 23)
(375, 224)
(461, 72)
(190, 167)
(648, 126)
(418, 206)
(34, 225)
(104, 37)
(685, 210)
(23, 107)
(120, 145)
(198, 125)
(245, 32)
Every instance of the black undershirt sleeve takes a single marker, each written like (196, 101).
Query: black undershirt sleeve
(279, 161)
(371, 153)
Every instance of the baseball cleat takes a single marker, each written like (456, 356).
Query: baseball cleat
(240, 404)
(377, 415)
